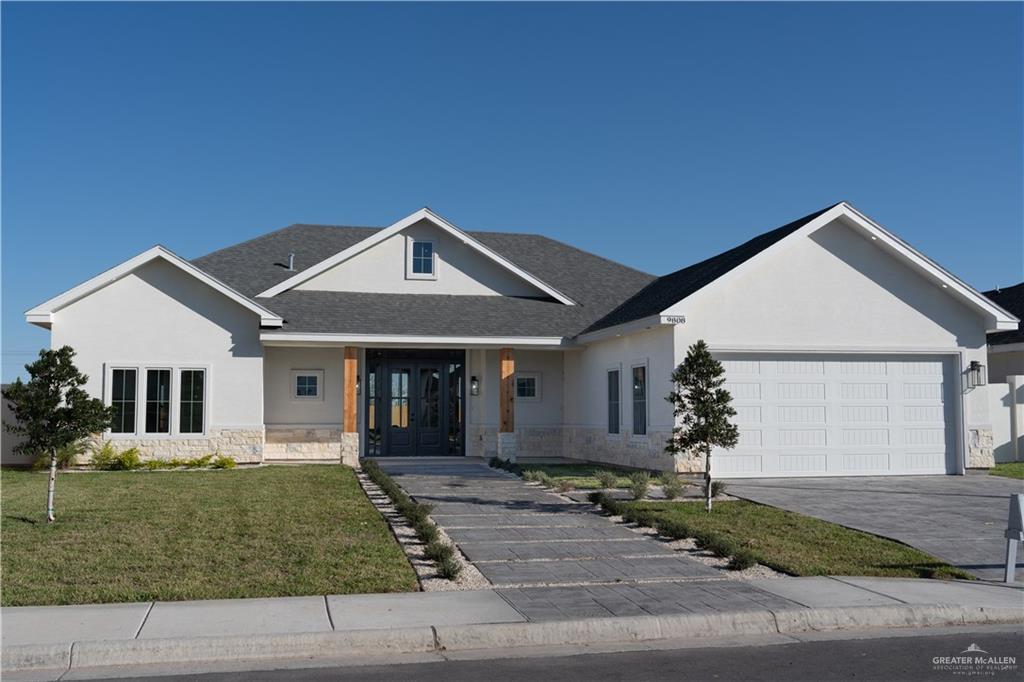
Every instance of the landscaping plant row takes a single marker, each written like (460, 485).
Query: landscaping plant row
(441, 553)
(671, 484)
(107, 458)
(718, 544)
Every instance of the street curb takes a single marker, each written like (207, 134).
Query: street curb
(198, 650)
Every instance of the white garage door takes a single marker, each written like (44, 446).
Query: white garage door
(839, 415)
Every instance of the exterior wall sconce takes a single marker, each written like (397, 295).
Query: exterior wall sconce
(474, 386)
(359, 385)
(976, 375)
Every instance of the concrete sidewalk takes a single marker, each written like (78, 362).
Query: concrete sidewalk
(48, 642)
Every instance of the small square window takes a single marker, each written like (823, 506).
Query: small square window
(307, 384)
(420, 259)
(528, 386)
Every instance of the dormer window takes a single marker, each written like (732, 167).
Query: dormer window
(420, 260)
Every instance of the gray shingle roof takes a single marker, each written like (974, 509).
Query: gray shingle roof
(672, 288)
(1010, 299)
(607, 292)
(595, 283)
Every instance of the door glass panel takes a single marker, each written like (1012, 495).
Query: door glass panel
(373, 411)
(430, 398)
(455, 409)
(400, 399)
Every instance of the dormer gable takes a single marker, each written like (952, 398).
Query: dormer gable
(421, 253)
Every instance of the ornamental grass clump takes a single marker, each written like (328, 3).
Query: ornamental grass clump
(426, 531)
(672, 486)
(639, 481)
(449, 568)
(607, 479)
(438, 551)
(742, 559)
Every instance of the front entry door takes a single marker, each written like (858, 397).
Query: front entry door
(414, 402)
(415, 409)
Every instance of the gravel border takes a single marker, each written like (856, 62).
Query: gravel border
(426, 570)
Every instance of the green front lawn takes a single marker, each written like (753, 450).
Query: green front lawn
(802, 545)
(1008, 469)
(139, 536)
(581, 476)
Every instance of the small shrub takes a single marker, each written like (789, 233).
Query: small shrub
(672, 486)
(742, 559)
(438, 551)
(223, 462)
(449, 568)
(717, 544)
(564, 486)
(426, 531)
(531, 475)
(641, 517)
(673, 528)
(607, 479)
(198, 462)
(596, 497)
(638, 483)
(67, 456)
(107, 458)
(545, 480)
(154, 464)
(613, 506)
(717, 488)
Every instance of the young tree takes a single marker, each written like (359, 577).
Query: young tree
(52, 411)
(703, 409)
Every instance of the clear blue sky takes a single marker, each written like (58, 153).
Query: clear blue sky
(654, 134)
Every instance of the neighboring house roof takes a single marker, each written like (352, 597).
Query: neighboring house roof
(665, 291)
(594, 284)
(42, 314)
(1012, 299)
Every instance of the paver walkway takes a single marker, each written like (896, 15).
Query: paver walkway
(960, 519)
(518, 535)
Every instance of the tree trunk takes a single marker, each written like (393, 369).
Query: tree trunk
(707, 478)
(50, 518)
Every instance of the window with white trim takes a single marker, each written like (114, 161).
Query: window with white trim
(528, 386)
(307, 384)
(421, 259)
(614, 401)
(640, 400)
(158, 401)
(123, 384)
(192, 401)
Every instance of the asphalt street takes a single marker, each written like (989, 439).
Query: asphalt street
(925, 656)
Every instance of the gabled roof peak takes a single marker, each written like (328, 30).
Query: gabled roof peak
(395, 228)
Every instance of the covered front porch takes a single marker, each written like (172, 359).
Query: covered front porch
(335, 401)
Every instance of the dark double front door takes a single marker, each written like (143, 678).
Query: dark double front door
(415, 404)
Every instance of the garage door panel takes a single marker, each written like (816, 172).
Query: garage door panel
(834, 415)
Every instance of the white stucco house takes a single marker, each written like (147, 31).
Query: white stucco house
(847, 351)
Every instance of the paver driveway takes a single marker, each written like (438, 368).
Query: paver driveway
(960, 519)
(519, 535)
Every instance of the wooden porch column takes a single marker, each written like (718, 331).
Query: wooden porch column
(351, 371)
(507, 391)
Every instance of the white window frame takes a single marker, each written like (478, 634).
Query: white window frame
(206, 401)
(409, 274)
(536, 376)
(647, 400)
(141, 374)
(294, 386)
(108, 398)
(607, 371)
(171, 395)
